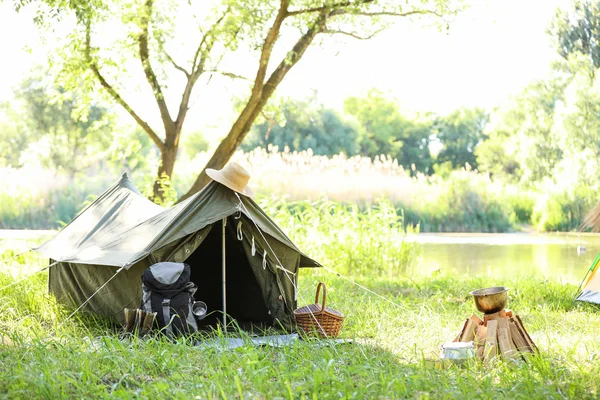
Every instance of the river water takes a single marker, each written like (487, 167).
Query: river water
(561, 257)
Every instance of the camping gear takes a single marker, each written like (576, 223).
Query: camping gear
(123, 229)
(199, 310)
(234, 176)
(148, 323)
(490, 300)
(325, 321)
(167, 291)
(589, 289)
(139, 321)
(501, 333)
(130, 315)
(457, 351)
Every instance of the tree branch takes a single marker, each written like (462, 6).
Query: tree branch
(294, 55)
(230, 75)
(329, 7)
(198, 63)
(172, 61)
(115, 95)
(200, 57)
(208, 35)
(150, 75)
(352, 34)
(395, 14)
(267, 48)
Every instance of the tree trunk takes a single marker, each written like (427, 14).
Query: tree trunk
(165, 170)
(228, 146)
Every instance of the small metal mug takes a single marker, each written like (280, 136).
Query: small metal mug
(199, 309)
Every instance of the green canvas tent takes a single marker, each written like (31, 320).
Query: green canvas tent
(219, 233)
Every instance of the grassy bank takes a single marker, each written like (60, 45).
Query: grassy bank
(46, 356)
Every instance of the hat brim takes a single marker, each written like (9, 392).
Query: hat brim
(217, 176)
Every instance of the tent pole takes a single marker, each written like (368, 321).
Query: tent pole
(223, 277)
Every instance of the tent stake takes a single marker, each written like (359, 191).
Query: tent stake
(223, 276)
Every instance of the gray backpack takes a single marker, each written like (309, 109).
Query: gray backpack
(167, 290)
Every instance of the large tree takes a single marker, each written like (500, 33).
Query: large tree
(111, 35)
(577, 30)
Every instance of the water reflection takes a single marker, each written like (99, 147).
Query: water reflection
(560, 257)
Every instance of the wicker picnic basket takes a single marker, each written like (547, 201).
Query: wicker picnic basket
(316, 318)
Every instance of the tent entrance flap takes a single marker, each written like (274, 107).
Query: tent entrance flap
(244, 298)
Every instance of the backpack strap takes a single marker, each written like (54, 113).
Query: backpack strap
(166, 309)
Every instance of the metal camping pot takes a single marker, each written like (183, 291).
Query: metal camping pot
(490, 300)
(199, 309)
(457, 351)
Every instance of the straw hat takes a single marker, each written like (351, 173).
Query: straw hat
(234, 176)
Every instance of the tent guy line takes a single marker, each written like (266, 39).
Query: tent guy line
(29, 275)
(365, 288)
(287, 274)
(278, 265)
(322, 266)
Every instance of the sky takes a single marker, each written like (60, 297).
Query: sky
(490, 53)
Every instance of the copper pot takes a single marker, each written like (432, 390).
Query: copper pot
(490, 300)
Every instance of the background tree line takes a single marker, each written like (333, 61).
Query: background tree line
(546, 139)
(371, 126)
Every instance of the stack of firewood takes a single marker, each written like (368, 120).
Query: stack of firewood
(500, 334)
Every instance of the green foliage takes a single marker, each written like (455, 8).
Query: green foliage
(498, 156)
(384, 130)
(194, 143)
(563, 211)
(525, 141)
(165, 187)
(464, 202)
(460, 133)
(62, 133)
(522, 204)
(131, 150)
(347, 238)
(14, 138)
(22, 209)
(305, 125)
(577, 30)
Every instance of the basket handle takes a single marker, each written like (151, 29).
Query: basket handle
(324, 295)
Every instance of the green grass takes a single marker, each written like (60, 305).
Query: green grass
(84, 357)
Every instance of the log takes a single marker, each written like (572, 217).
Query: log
(518, 338)
(526, 336)
(468, 333)
(491, 345)
(494, 316)
(476, 319)
(480, 335)
(462, 331)
(505, 343)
